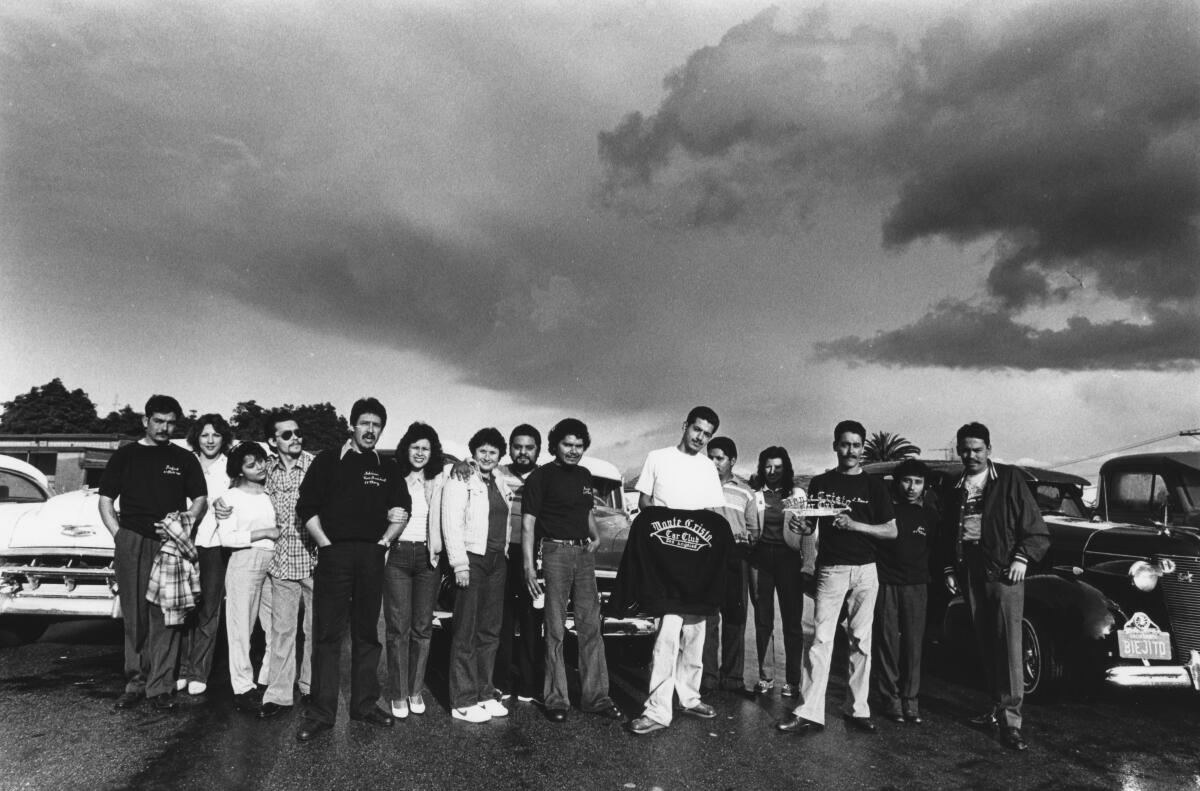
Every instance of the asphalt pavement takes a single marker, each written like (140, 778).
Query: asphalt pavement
(60, 731)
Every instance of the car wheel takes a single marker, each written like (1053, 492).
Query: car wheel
(27, 629)
(1041, 658)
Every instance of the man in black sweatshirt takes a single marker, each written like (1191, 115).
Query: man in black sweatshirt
(353, 503)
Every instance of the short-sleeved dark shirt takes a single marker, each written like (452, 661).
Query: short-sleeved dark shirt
(905, 559)
(560, 496)
(869, 502)
(152, 481)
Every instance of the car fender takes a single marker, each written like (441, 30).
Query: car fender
(1079, 611)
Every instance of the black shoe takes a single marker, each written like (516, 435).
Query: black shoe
(246, 701)
(863, 724)
(985, 720)
(164, 702)
(610, 712)
(376, 716)
(913, 718)
(306, 698)
(268, 710)
(898, 718)
(311, 729)
(794, 724)
(1013, 740)
(128, 700)
(557, 715)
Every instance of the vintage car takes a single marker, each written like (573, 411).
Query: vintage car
(613, 521)
(1112, 601)
(1153, 489)
(56, 557)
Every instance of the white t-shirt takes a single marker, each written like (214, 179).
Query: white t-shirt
(250, 512)
(972, 513)
(417, 528)
(678, 480)
(217, 482)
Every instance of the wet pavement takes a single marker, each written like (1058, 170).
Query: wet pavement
(60, 731)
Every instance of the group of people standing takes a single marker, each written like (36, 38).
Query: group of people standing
(348, 533)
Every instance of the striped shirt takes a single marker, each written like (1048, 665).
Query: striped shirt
(740, 510)
(295, 552)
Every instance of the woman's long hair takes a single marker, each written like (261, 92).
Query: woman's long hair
(417, 431)
(787, 476)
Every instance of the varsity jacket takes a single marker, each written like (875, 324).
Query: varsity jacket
(1011, 526)
(675, 562)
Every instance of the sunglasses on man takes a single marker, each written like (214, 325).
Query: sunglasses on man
(287, 435)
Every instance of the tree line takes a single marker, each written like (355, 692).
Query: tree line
(53, 409)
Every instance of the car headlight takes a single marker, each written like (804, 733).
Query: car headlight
(1144, 576)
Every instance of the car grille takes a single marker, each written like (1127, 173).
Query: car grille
(82, 568)
(1181, 591)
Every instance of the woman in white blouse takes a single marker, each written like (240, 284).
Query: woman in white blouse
(411, 577)
(250, 532)
(210, 439)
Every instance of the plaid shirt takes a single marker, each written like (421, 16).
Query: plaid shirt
(175, 575)
(295, 551)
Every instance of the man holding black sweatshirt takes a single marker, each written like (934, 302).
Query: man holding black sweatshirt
(353, 503)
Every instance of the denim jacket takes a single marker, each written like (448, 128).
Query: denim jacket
(465, 517)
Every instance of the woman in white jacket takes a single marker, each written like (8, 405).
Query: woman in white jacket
(475, 533)
(411, 577)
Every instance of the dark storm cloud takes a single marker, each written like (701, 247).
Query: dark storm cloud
(1066, 134)
(270, 157)
(961, 335)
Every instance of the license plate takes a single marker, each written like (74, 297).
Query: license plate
(1144, 645)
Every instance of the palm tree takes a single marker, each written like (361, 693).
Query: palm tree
(885, 446)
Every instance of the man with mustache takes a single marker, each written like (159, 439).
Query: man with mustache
(353, 503)
(153, 478)
(846, 575)
(680, 476)
(518, 657)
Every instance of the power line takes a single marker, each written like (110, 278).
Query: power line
(1123, 448)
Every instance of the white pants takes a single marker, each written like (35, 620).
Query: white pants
(857, 586)
(244, 577)
(677, 667)
(286, 596)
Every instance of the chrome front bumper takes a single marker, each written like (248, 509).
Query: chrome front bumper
(1185, 675)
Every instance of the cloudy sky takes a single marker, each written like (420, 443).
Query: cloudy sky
(487, 212)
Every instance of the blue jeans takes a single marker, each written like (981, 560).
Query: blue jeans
(410, 586)
(570, 572)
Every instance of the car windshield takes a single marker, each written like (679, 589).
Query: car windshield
(18, 489)
(1059, 499)
(1190, 478)
(607, 493)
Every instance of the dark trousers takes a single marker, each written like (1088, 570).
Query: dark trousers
(519, 655)
(200, 635)
(779, 570)
(151, 647)
(896, 660)
(410, 588)
(997, 608)
(728, 630)
(477, 611)
(347, 591)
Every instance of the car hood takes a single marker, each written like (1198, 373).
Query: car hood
(68, 521)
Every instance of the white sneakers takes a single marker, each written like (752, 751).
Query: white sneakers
(416, 704)
(196, 687)
(474, 713)
(400, 709)
(494, 707)
(180, 684)
(480, 712)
